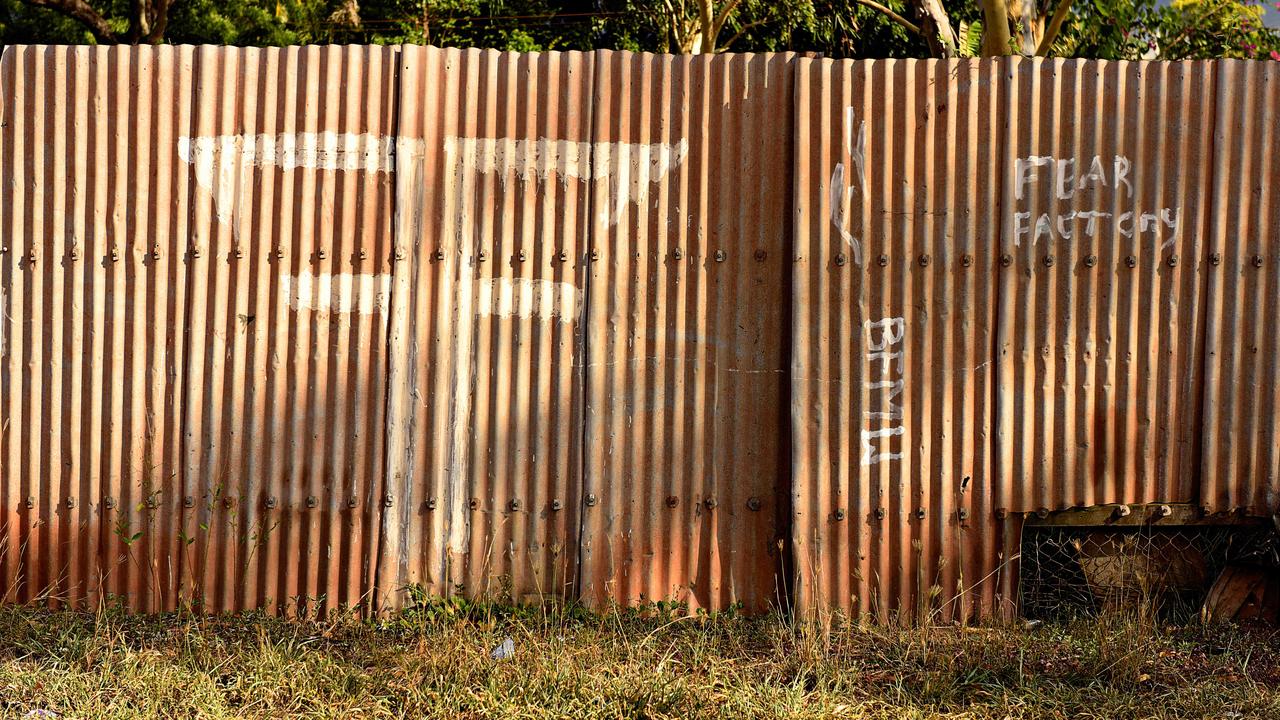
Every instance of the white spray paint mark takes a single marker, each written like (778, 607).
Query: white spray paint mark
(219, 159)
(629, 167)
(343, 293)
(525, 298)
(840, 194)
(857, 149)
(4, 318)
(891, 332)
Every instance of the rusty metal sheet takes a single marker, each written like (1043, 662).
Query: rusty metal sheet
(1100, 324)
(484, 444)
(93, 217)
(1241, 441)
(897, 198)
(290, 160)
(686, 318)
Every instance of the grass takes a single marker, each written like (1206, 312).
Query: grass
(434, 661)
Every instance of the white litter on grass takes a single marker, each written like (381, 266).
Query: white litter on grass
(505, 650)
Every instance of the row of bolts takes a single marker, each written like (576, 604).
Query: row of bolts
(841, 259)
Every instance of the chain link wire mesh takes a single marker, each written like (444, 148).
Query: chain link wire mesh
(1080, 571)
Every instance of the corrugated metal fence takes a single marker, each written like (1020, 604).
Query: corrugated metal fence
(310, 325)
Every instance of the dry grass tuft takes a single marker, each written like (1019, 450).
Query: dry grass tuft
(434, 661)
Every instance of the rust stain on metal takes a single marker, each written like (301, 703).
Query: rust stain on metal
(1100, 322)
(290, 160)
(686, 310)
(484, 458)
(893, 315)
(1241, 440)
(286, 324)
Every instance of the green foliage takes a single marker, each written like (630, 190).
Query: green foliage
(1202, 29)
(1112, 29)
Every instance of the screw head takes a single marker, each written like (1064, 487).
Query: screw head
(595, 254)
(925, 260)
(1173, 261)
(1001, 513)
(399, 254)
(438, 255)
(352, 502)
(387, 500)
(271, 503)
(71, 502)
(1006, 260)
(1215, 258)
(677, 254)
(720, 256)
(710, 503)
(1257, 261)
(482, 256)
(321, 253)
(1131, 261)
(591, 499)
(556, 505)
(31, 502)
(473, 504)
(520, 256)
(839, 514)
(562, 256)
(754, 504)
(362, 254)
(1049, 260)
(841, 259)
(279, 254)
(672, 501)
(966, 260)
(239, 252)
(155, 252)
(75, 254)
(108, 502)
(227, 502)
(1090, 260)
(514, 505)
(431, 503)
(883, 260)
(188, 502)
(920, 513)
(1042, 513)
(879, 513)
(963, 514)
(115, 254)
(761, 255)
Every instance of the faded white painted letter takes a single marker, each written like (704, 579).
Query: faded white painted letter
(891, 329)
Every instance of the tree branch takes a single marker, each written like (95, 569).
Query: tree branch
(1055, 24)
(720, 20)
(743, 31)
(81, 11)
(910, 26)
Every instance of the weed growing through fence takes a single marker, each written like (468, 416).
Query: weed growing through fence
(434, 659)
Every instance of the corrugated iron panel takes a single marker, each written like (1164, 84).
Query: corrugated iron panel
(686, 316)
(93, 217)
(897, 201)
(1241, 461)
(486, 392)
(1101, 307)
(290, 162)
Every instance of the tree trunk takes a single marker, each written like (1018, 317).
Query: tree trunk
(995, 28)
(936, 28)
